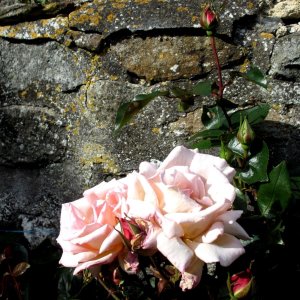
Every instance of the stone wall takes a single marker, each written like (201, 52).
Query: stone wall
(65, 66)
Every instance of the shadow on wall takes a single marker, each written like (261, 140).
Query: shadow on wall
(283, 141)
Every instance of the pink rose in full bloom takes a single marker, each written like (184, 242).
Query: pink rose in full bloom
(188, 198)
(87, 235)
(181, 208)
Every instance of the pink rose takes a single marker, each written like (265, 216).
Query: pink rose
(181, 208)
(87, 235)
(188, 198)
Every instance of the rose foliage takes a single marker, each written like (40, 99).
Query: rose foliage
(181, 208)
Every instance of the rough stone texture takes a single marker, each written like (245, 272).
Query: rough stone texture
(30, 135)
(66, 66)
(286, 9)
(286, 64)
(170, 58)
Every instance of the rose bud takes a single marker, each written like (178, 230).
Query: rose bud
(134, 233)
(208, 20)
(245, 134)
(241, 283)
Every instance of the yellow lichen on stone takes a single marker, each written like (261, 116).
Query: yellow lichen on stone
(86, 14)
(53, 28)
(111, 17)
(39, 95)
(142, 1)
(58, 88)
(95, 63)
(267, 35)
(182, 9)
(156, 130)
(73, 128)
(250, 5)
(113, 77)
(23, 94)
(195, 19)
(245, 66)
(119, 4)
(93, 153)
(70, 107)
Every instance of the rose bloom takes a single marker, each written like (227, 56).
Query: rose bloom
(188, 200)
(87, 235)
(183, 208)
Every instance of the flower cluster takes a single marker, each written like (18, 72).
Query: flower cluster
(181, 208)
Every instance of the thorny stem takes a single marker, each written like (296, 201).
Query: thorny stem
(110, 292)
(220, 81)
(215, 53)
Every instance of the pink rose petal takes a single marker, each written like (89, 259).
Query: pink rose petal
(231, 226)
(176, 251)
(225, 250)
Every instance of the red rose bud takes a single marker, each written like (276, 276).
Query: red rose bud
(241, 283)
(208, 20)
(245, 134)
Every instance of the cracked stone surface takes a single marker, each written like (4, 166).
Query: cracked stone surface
(170, 58)
(67, 65)
(286, 9)
(286, 64)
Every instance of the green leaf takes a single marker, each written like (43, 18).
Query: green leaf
(295, 185)
(203, 88)
(184, 105)
(206, 139)
(257, 166)
(274, 196)
(214, 118)
(205, 144)
(181, 93)
(241, 200)
(236, 147)
(64, 284)
(209, 133)
(254, 115)
(255, 75)
(127, 110)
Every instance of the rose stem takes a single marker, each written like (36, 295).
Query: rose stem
(220, 81)
(110, 292)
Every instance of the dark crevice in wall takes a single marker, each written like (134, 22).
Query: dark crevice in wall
(118, 36)
(290, 21)
(133, 78)
(245, 23)
(76, 89)
(38, 41)
(36, 13)
(86, 31)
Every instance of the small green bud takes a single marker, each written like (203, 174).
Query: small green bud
(225, 152)
(245, 134)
